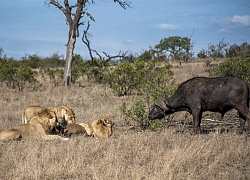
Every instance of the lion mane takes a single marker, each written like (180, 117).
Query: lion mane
(64, 114)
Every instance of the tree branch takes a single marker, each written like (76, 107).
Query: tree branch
(58, 5)
(85, 40)
(87, 43)
(89, 15)
(115, 56)
(123, 4)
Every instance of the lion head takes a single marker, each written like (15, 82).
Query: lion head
(106, 122)
(70, 116)
(47, 118)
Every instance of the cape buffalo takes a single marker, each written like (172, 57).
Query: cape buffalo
(201, 94)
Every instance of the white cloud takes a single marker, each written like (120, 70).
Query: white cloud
(226, 24)
(165, 26)
(241, 20)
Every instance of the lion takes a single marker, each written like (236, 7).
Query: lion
(99, 128)
(40, 125)
(31, 111)
(64, 114)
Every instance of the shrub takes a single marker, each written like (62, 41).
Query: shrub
(121, 79)
(155, 81)
(79, 69)
(7, 74)
(54, 75)
(233, 67)
(17, 76)
(25, 75)
(138, 77)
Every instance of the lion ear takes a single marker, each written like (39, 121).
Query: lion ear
(100, 122)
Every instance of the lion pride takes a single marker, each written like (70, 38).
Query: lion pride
(99, 128)
(63, 114)
(40, 126)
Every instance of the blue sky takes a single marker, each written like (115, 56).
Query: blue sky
(29, 27)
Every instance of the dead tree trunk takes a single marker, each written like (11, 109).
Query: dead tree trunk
(69, 59)
(73, 21)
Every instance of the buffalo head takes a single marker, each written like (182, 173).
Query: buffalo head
(160, 109)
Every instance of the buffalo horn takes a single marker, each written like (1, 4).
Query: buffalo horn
(162, 103)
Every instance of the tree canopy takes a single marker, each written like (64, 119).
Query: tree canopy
(178, 47)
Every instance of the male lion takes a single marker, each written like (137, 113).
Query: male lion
(64, 114)
(41, 125)
(99, 128)
(31, 111)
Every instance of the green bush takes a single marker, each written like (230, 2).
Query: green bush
(154, 81)
(17, 76)
(25, 75)
(34, 61)
(7, 75)
(233, 67)
(54, 75)
(121, 79)
(139, 77)
(97, 70)
(79, 69)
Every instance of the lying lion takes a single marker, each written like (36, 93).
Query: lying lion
(63, 114)
(99, 128)
(39, 126)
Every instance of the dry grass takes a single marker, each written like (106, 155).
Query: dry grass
(125, 155)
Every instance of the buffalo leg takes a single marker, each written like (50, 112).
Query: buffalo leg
(197, 120)
(244, 115)
(242, 122)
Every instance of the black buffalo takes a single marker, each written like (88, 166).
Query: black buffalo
(201, 94)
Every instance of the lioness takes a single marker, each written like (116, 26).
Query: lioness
(99, 128)
(40, 125)
(63, 114)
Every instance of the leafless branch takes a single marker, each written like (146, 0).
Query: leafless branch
(115, 56)
(85, 40)
(123, 4)
(87, 43)
(95, 51)
(89, 15)
(58, 5)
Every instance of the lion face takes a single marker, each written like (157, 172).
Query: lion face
(107, 122)
(70, 116)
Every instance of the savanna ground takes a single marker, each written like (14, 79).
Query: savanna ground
(172, 153)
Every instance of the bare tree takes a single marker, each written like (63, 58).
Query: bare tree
(74, 13)
(107, 57)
